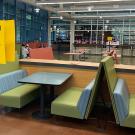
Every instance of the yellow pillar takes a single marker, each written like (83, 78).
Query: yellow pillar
(10, 40)
(2, 43)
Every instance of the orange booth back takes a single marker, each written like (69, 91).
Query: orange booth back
(42, 53)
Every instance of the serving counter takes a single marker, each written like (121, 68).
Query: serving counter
(82, 72)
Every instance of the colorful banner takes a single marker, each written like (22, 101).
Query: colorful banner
(2, 43)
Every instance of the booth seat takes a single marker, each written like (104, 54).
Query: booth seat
(42, 53)
(73, 102)
(14, 94)
(125, 104)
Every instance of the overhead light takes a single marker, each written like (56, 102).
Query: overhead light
(37, 10)
(100, 17)
(54, 27)
(106, 27)
(74, 21)
(107, 21)
(89, 8)
(102, 10)
(81, 2)
(61, 17)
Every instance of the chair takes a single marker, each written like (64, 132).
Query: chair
(73, 102)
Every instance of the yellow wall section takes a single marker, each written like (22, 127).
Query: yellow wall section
(10, 40)
(2, 43)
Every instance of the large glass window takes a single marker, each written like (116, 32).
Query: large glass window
(30, 26)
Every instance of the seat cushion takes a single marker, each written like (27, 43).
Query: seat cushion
(10, 80)
(121, 96)
(66, 103)
(19, 96)
(130, 119)
(83, 101)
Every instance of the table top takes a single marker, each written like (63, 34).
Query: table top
(74, 53)
(47, 78)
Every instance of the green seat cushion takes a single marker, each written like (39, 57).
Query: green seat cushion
(66, 103)
(121, 96)
(130, 120)
(19, 96)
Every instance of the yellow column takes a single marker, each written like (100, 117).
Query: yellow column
(10, 40)
(2, 43)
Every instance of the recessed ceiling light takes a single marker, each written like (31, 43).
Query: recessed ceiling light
(37, 10)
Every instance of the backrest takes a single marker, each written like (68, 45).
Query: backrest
(42, 53)
(112, 79)
(84, 98)
(121, 96)
(10, 80)
(96, 87)
(110, 72)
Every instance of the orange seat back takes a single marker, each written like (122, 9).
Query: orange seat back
(42, 53)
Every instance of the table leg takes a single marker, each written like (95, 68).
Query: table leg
(43, 113)
(52, 96)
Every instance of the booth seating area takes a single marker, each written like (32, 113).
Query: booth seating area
(122, 102)
(14, 94)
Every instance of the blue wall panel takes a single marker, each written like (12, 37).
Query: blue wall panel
(30, 26)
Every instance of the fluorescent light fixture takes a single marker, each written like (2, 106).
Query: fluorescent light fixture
(81, 2)
(113, 16)
(102, 10)
(37, 10)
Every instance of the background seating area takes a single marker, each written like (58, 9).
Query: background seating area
(42, 53)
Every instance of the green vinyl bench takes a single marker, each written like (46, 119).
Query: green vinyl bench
(14, 94)
(122, 101)
(73, 102)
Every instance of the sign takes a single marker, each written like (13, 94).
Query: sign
(109, 38)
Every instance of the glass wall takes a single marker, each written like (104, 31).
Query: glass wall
(96, 31)
(30, 26)
(60, 30)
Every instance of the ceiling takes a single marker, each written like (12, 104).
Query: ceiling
(86, 9)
